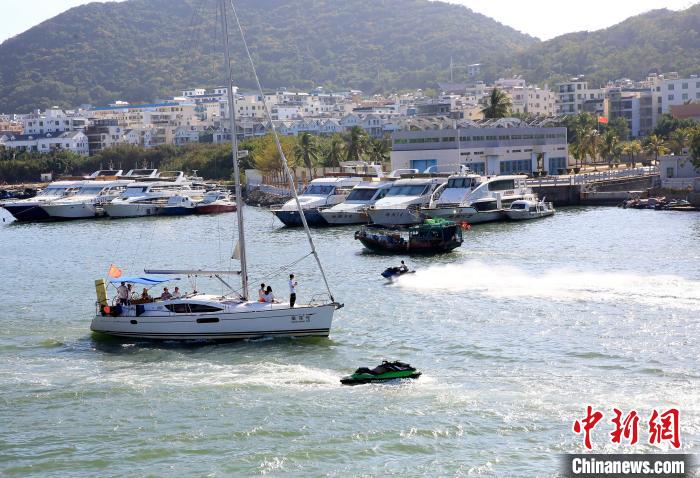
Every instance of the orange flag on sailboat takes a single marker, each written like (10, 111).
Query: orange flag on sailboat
(603, 119)
(114, 271)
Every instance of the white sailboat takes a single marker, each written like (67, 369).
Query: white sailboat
(199, 316)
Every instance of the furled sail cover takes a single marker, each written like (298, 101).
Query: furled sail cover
(144, 280)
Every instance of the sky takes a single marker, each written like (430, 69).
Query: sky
(544, 19)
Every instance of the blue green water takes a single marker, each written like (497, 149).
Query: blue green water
(515, 332)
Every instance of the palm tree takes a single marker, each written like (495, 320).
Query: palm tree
(499, 105)
(591, 144)
(335, 151)
(609, 145)
(357, 141)
(632, 148)
(307, 151)
(378, 151)
(678, 140)
(655, 145)
(577, 147)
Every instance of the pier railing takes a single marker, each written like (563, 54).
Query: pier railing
(594, 177)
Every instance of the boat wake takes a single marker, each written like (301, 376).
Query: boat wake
(501, 281)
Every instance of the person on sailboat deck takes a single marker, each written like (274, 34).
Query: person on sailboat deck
(166, 295)
(176, 293)
(144, 295)
(261, 293)
(122, 294)
(269, 296)
(292, 290)
(403, 267)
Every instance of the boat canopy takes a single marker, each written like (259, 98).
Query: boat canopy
(145, 280)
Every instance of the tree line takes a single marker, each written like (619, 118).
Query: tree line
(211, 161)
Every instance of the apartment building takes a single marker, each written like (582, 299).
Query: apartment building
(679, 91)
(54, 120)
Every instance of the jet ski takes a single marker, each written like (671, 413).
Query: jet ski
(393, 272)
(383, 372)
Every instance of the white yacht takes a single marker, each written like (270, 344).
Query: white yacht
(87, 201)
(354, 209)
(524, 209)
(199, 316)
(320, 193)
(31, 209)
(484, 200)
(402, 203)
(149, 198)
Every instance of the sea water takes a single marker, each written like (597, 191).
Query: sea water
(516, 333)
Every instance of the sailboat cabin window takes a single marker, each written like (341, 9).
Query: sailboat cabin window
(203, 308)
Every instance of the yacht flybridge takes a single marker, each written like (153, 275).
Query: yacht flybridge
(198, 315)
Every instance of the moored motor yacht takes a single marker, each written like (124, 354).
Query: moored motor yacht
(149, 198)
(320, 193)
(354, 209)
(403, 201)
(524, 209)
(215, 202)
(31, 210)
(87, 201)
(483, 201)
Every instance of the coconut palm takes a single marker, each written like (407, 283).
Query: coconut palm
(577, 147)
(499, 105)
(631, 149)
(307, 151)
(679, 139)
(357, 141)
(378, 151)
(335, 151)
(591, 145)
(609, 143)
(655, 145)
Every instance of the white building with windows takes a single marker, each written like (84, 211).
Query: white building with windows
(53, 120)
(572, 95)
(679, 91)
(75, 141)
(487, 151)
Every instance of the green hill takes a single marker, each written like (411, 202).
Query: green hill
(140, 50)
(657, 41)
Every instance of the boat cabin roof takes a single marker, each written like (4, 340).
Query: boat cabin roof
(418, 181)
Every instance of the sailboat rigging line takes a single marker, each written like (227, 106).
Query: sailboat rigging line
(279, 147)
(234, 153)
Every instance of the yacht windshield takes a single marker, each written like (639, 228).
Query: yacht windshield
(135, 191)
(319, 190)
(91, 190)
(55, 191)
(461, 183)
(361, 194)
(408, 190)
(518, 205)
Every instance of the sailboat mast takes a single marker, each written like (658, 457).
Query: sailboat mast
(234, 151)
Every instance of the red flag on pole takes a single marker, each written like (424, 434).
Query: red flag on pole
(114, 271)
(603, 119)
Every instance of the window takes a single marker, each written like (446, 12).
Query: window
(203, 308)
(685, 96)
(670, 97)
(671, 87)
(684, 86)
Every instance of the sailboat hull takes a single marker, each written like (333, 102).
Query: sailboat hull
(260, 320)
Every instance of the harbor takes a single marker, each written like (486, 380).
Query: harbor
(594, 318)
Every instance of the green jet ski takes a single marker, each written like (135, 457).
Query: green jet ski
(385, 371)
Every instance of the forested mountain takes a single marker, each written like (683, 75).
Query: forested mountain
(145, 49)
(657, 41)
(140, 50)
